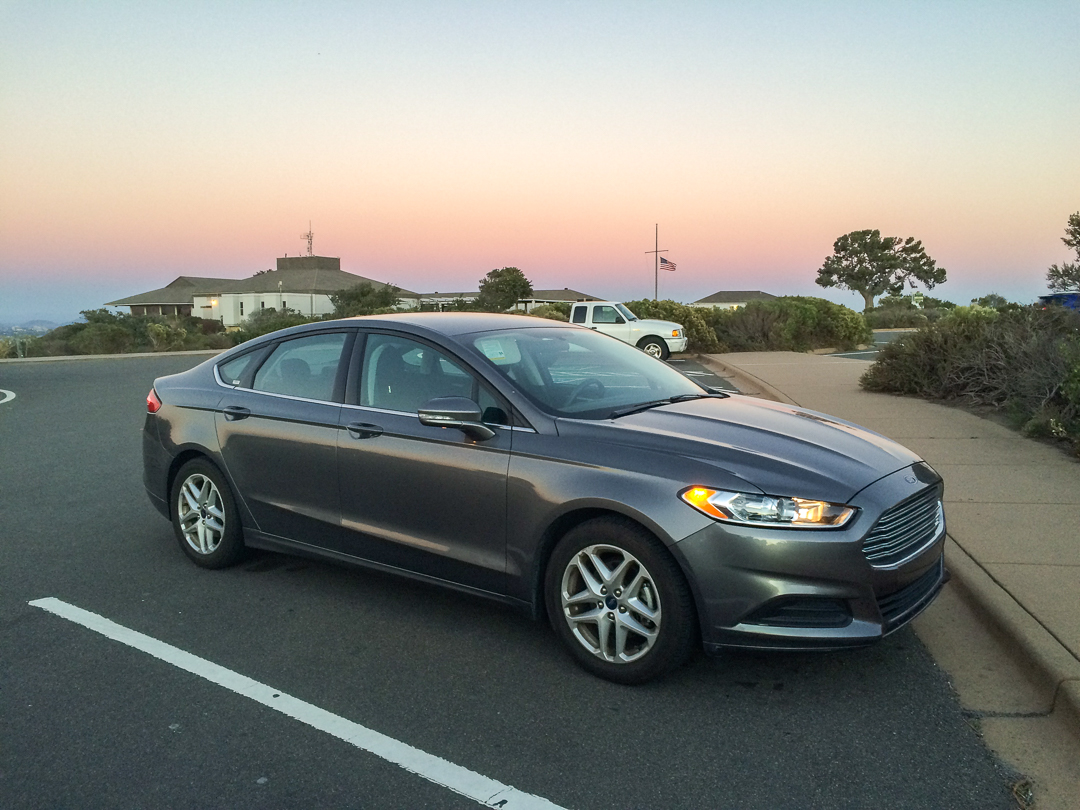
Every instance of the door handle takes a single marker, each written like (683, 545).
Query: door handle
(363, 430)
(234, 412)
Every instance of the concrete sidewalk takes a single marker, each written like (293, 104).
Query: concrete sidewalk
(1012, 504)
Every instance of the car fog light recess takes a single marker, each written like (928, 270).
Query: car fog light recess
(767, 510)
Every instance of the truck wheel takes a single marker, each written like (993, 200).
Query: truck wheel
(654, 346)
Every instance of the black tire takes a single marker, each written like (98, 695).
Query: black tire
(654, 346)
(208, 501)
(661, 588)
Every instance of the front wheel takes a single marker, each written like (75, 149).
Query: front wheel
(619, 602)
(204, 518)
(654, 347)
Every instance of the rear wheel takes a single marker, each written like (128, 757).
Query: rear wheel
(205, 519)
(618, 601)
(654, 347)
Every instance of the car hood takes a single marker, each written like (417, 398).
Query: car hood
(651, 324)
(779, 449)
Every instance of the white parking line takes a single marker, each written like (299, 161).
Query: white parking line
(487, 792)
(6, 396)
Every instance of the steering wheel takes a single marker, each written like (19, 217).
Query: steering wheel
(578, 390)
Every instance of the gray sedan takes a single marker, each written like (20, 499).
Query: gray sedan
(555, 469)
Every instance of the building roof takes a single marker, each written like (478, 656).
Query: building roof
(735, 297)
(179, 291)
(309, 279)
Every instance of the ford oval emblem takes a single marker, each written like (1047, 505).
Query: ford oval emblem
(910, 479)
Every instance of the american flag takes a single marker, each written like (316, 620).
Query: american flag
(666, 265)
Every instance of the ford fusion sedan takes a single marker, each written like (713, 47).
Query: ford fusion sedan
(553, 468)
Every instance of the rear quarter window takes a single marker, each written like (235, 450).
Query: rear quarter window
(232, 371)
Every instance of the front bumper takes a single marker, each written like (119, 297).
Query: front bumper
(676, 345)
(811, 589)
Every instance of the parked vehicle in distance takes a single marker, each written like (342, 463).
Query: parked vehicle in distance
(552, 468)
(1070, 300)
(657, 338)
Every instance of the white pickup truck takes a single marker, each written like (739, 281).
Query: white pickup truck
(658, 338)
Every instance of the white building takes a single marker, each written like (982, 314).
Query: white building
(732, 299)
(301, 283)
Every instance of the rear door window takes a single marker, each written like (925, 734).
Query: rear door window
(305, 367)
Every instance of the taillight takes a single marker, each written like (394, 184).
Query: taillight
(153, 403)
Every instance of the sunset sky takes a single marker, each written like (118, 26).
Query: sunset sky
(428, 143)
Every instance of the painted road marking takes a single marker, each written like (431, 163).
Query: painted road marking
(855, 354)
(487, 792)
(6, 396)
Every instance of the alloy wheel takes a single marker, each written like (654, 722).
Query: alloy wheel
(201, 514)
(611, 603)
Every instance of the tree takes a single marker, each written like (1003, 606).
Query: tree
(501, 289)
(991, 301)
(363, 299)
(871, 264)
(1066, 278)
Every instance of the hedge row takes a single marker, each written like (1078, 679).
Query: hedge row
(1024, 362)
(106, 333)
(792, 323)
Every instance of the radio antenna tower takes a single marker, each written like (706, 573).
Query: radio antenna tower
(310, 238)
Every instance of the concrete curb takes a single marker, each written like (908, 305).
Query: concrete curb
(207, 352)
(1052, 660)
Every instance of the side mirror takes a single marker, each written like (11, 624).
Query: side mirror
(455, 412)
(619, 319)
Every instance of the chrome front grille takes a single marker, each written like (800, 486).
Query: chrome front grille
(905, 529)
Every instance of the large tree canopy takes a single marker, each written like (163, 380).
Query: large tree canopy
(1066, 278)
(501, 289)
(871, 264)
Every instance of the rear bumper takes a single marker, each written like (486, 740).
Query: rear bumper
(156, 461)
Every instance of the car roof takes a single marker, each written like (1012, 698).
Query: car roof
(457, 323)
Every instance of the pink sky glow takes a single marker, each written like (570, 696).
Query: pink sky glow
(430, 142)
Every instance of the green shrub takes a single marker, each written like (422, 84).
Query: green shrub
(895, 318)
(268, 320)
(1024, 362)
(103, 332)
(791, 323)
(554, 312)
(900, 312)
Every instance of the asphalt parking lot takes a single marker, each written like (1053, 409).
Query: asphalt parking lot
(89, 720)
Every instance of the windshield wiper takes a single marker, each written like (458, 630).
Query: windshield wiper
(656, 403)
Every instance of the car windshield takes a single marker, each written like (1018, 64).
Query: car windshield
(630, 316)
(576, 372)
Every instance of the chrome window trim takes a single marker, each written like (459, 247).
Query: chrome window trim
(279, 396)
(416, 416)
(223, 384)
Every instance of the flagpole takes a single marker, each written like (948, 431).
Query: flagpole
(656, 271)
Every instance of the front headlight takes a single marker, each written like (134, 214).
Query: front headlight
(766, 510)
